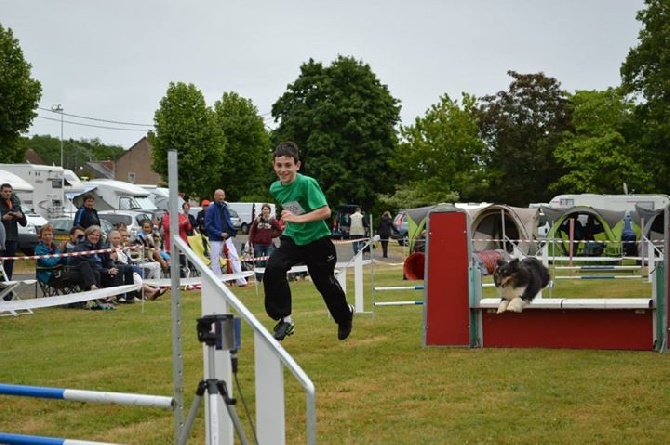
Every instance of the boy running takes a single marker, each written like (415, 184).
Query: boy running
(306, 239)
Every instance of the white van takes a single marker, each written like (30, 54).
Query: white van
(247, 212)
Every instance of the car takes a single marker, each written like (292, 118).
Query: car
(234, 216)
(131, 218)
(401, 225)
(28, 235)
(62, 227)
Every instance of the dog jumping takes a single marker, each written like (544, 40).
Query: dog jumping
(518, 282)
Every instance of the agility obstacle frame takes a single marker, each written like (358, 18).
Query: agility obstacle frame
(455, 314)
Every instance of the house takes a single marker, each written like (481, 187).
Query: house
(135, 165)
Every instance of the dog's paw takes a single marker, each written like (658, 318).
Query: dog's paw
(516, 305)
(503, 306)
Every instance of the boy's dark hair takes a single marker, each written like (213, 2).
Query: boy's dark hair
(88, 196)
(75, 228)
(287, 148)
(6, 185)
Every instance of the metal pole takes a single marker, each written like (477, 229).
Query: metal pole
(59, 109)
(177, 357)
(61, 138)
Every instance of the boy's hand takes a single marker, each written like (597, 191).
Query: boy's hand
(289, 216)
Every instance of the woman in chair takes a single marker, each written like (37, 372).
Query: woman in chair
(53, 271)
(101, 262)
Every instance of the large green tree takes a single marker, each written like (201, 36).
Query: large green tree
(599, 156)
(247, 155)
(646, 74)
(19, 96)
(441, 153)
(521, 128)
(344, 121)
(186, 124)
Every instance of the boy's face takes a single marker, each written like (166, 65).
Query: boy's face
(286, 168)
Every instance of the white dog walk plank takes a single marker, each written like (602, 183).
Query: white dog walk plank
(36, 303)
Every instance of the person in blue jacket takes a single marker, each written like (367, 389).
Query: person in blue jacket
(51, 269)
(221, 232)
(87, 215)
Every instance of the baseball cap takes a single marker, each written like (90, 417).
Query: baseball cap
(204, 202)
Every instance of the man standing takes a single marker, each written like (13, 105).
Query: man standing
(220, 230)
(86, 215)
(200, 226)
(357, 229)
(12, 216)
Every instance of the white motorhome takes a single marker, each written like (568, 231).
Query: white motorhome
(610, 202)
(160, 196)
(119, 195)
(22, 188)
(47, 198)
(247, 212)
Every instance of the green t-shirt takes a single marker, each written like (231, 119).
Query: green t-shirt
(301, 196)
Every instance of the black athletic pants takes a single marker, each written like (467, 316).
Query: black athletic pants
(320, 258)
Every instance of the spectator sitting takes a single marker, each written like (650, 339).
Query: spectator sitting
(110, 273)
(48, 272)
(151, 252)
(145, 268)
(121, 260)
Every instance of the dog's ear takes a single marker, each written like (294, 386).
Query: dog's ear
(500, 262)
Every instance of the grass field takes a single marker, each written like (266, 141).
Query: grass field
(379, 387)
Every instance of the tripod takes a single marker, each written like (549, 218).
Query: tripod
(222, 336)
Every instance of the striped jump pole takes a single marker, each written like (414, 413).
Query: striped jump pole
(597, 277)
(399, 303)
(114, 398)
(21, 439)
(399, 288)
(597, 268)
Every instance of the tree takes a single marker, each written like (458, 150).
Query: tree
(76, 153)
(441, 153)
(247, 155)
(521, 128)
(185, 123)
(19, 96)
(344, 122)
(646, 74)
(598, 157)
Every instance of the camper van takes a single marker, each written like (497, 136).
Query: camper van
(22, 188)
(48, 183)
(610, 202)
(160, 196)
(119, 195)
(247, 212)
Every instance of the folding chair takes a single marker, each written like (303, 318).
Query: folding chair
(8, 287)
(58, 285)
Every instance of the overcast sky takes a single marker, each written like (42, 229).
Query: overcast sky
(113, 60)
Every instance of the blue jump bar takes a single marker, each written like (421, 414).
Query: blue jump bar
(41, 392)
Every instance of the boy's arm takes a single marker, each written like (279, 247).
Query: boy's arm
(315, 215)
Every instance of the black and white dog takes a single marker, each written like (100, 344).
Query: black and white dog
(518, 281)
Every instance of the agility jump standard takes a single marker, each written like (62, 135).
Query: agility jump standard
(456, 315)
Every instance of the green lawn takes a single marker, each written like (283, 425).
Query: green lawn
(379, 387)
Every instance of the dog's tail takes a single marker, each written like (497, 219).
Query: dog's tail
(540, 269)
